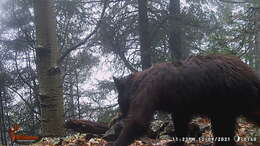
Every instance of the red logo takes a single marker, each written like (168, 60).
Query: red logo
(19, 138)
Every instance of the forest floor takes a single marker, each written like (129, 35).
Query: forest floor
(246, 132)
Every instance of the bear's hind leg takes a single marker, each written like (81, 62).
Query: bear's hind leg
(181, 121)
(223, 128)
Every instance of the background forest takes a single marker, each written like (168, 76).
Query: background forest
(99, 39)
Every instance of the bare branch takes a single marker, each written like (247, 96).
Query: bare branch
(19, 74)
(235, 2)
(126, 62)
(74, 47)
(24, 100)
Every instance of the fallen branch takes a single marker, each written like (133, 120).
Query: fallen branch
(86, 126)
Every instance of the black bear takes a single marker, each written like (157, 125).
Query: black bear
(219, 87)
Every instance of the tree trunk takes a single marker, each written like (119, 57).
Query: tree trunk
(177, 51)
(78, 95)
(49, 73)
(145, 45)
(2, 114)
(257, 48)
(257, 41)
(71, 105)
(2, 130)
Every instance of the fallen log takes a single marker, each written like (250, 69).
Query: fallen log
(86, 126)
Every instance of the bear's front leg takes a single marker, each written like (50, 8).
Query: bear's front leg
(136, 123)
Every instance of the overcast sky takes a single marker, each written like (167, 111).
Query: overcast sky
(1, 1)
(1, 4)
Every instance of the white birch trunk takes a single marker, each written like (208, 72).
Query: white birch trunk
(49, 73)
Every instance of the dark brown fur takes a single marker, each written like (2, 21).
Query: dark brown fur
(220, 87)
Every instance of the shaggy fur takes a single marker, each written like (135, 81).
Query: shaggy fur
(220, 87)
